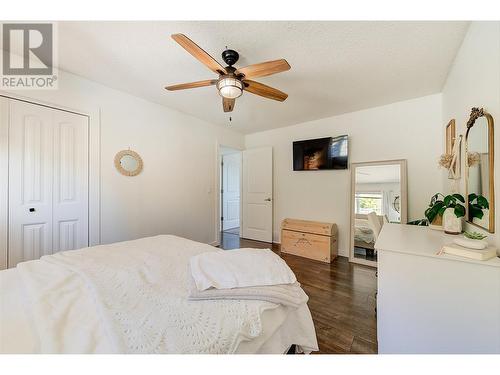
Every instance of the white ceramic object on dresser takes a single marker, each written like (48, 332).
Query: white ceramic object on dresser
(451, 223)
(471, 244)
(429, 303)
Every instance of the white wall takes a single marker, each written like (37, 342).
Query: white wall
(175, 193)
(405, 130)
(474, 81)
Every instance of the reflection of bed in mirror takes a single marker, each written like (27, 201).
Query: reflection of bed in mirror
(364, 232)
(365, 235)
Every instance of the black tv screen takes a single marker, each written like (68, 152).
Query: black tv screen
(321, 153)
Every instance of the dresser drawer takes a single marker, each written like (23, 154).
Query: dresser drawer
(307, 245)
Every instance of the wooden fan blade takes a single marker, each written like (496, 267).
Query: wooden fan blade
(264, 90)
(228, 104)
(199, 53)
(192, 85)
(264, 69)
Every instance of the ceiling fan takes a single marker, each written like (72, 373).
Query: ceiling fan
(232, 82)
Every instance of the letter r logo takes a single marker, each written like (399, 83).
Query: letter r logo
(36, 48)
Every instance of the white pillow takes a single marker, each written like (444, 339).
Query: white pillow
(239, 268)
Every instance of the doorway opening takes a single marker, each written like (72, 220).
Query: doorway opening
(230, 196)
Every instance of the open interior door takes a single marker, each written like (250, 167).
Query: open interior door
(231, 165)
(257, 207)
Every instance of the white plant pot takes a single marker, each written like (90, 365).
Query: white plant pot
(451, 223)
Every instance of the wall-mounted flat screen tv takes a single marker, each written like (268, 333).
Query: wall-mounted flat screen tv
(321, 153)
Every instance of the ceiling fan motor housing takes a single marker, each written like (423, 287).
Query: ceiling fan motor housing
(230, 56)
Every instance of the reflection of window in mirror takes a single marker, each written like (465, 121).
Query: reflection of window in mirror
(377, 188)
(368, 202)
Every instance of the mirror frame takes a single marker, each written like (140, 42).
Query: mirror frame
(122, 170)
(474, 115)
(403, 202)
(451, 136)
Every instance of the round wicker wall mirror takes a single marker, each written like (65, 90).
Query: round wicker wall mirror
(128, 163)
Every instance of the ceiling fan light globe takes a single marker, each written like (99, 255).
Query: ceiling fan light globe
(230, 92)
(230, 88)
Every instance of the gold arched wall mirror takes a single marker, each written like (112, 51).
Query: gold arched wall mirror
(128, 163)
(479, 176)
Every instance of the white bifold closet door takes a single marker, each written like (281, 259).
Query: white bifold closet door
(48, 181)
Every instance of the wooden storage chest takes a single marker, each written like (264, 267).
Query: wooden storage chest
(309, 239)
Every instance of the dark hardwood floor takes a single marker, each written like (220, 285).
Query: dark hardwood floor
(341, 298)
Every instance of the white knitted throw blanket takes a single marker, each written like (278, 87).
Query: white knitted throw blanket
(139, 291)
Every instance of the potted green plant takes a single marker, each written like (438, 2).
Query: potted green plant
(477, 205)
(450, 208)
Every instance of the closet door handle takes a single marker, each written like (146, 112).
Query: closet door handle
(31, 209)
(268, 199)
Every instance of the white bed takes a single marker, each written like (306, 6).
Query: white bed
(363, 234)
(131, 297)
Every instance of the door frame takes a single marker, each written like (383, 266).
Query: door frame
(94, 170)
(217, 190)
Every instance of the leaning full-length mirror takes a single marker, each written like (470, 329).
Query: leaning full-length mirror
(378, 196)
(479, 173)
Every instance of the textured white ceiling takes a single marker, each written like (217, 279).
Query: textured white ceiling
(337, 67)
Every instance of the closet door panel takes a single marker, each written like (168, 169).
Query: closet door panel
(30, 181)
(4, 178)
(70, 215)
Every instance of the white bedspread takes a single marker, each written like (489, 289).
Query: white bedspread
(131, 297)
(362, 231)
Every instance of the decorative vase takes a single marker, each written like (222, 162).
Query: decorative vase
(451, 223)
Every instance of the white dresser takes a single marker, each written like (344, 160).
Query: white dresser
(429, 303)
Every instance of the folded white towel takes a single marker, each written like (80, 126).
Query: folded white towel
(239, 268)
(290, 295)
